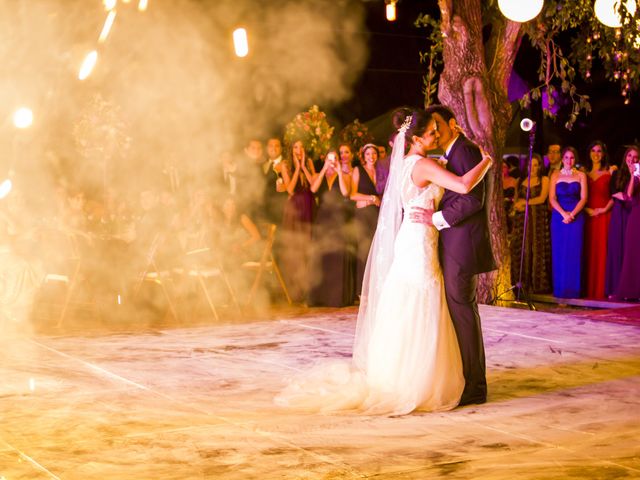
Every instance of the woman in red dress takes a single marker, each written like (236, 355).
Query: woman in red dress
(598, 209)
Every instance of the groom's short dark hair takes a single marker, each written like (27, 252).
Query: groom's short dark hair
(444, 112)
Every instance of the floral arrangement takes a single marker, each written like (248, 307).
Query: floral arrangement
(356, 134)
(313, 129)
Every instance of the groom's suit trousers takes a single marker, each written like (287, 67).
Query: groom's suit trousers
(460, 290)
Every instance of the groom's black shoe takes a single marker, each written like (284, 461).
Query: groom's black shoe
(470, 400)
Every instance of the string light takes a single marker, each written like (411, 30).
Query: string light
(107, 26)
(607, 11)
(23, 117)
(142, 5)
(390, 10)
(520, 11)
(240, 42)
(110, 4)
(5, 188)
(88, 64)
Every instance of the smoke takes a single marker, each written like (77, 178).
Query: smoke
(166, 97)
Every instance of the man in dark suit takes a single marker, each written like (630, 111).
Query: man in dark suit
(464, 250)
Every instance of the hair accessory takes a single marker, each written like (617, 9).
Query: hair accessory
(405, 125)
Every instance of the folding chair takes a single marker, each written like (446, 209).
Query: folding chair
(67, 271)
(151, 273)
(267, 263)
(204, 265)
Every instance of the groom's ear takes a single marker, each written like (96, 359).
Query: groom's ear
(452, 123)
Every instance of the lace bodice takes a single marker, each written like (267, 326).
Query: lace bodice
(412, 195)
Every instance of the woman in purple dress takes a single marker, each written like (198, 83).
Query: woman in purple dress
(629, 284)
(296, 221)
(619, 215)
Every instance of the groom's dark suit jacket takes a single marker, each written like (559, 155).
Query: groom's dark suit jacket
(469, 243)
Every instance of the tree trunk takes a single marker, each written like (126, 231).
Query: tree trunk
(474, 85)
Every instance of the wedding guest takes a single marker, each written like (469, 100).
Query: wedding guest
(537, 248)
(629, 283)
(619, 214)
(382, 169)
(275, 192)
(598, 208)
(333, 286)
(296, 221)
(367, 199)
(229, 172)
(509, 189)
(252, 180)
(553, 160)
(346, 159)
(345, 151)
(568, 196)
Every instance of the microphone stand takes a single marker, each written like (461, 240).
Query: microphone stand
(522, 297)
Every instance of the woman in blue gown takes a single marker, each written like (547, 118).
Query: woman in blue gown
(567, 196)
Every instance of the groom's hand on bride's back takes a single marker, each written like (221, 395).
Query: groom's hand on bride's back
(421, 215)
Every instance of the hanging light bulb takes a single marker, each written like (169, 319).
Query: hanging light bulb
(391, 10)
(109, 4)
(23, 117)
(520, 11)
(240, 42)
(108, 23)
(142, 5)
(607, 11)
(88, 64)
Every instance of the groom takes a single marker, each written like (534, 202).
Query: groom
(464, 250)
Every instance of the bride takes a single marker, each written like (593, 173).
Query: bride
(405, 355)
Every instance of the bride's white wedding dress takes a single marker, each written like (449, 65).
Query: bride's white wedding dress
(412, 354)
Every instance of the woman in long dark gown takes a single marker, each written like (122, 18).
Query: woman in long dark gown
(619, 215)
(331, 284)
(567, 196)
(365, 194)
(296, 221)
(629, 284)
(345, 152)
(536, 275)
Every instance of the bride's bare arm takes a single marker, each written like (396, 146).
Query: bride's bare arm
(427, 170)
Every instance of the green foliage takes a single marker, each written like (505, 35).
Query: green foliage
(575, 22)
(592, 45)
(432, 57)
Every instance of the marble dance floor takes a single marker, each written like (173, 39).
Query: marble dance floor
(196, 402)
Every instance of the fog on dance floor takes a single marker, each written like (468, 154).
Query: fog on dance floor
(166, 97)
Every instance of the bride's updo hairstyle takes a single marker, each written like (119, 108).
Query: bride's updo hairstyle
(419, 121)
